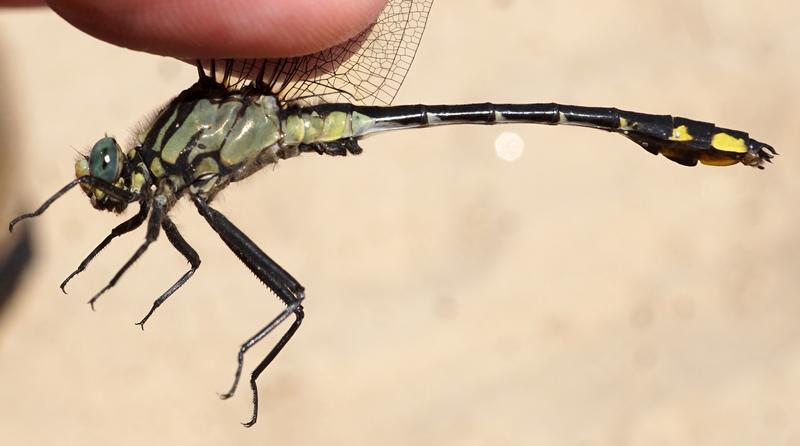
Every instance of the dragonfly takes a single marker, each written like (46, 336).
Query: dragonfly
(243, 115)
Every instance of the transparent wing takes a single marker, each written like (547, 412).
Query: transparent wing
(367, 69)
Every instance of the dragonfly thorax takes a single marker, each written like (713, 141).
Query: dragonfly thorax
(209, 136)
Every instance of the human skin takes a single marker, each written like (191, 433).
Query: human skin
(189, 29)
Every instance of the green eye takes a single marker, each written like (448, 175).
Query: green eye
(104, 161)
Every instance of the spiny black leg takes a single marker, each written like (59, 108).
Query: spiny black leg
(271, 274)
(115, 192)
(180, 244)
(153, 228)
(123, 228)
(292, 308)
(110, 190)
(298, 312)
(44, 205)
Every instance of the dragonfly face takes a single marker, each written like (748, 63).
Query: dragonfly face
(110, 178)
(105, 162)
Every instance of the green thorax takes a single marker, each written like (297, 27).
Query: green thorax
(218, 138)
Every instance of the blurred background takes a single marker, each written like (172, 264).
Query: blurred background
(586, 294)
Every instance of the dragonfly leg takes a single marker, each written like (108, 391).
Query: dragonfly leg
(184, 248)
(153, 228)
(298, 312)
(274, 277)
(117, 193)
(123, 228)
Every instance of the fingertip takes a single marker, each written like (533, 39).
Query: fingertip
(222, 28)
(21, 3)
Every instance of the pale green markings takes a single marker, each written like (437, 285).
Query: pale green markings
(214, 134)
(200, 118)
(157, 168)
(207, 165)
(138, 181)
(362, 124)
(293, 130)
(335, 126)
(209, 168)
(313, 125)
(311, 128)
(160, 137)
(81, 168)
(257, 129)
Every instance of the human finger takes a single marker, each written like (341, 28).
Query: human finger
(221, 28)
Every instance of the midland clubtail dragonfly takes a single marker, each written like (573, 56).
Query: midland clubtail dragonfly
(243, 115)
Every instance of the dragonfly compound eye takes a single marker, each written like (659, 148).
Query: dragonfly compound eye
(104, 160)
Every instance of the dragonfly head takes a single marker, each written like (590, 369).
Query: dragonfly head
(108, 163)
(106, 176)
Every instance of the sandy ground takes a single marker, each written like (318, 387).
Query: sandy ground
(587, 294)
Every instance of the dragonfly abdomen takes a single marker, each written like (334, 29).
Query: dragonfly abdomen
(682, 140)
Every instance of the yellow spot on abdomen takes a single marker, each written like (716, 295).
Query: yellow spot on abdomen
(717, 161)
(681, 133)
(727, 143)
